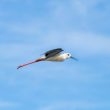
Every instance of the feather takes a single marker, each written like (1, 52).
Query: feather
(53, 52)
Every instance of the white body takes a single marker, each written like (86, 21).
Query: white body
(58, 58)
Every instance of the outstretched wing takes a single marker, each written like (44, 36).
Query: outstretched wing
(53, 52)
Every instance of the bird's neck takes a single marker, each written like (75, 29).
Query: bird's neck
(64, 55)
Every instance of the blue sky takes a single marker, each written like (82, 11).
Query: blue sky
(30, 27)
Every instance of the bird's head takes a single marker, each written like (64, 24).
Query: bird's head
(68, 55)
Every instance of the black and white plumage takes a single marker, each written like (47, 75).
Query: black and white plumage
(53, 52)
(52, 55)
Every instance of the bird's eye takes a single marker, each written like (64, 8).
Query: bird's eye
(68, 54)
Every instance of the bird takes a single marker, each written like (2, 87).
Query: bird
(54, 55)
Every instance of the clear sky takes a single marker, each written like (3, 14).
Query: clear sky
(28, 28)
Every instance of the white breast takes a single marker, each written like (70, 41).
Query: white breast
(57, 58)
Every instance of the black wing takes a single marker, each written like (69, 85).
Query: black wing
(53, 52)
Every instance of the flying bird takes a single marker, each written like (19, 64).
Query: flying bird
(55, 55)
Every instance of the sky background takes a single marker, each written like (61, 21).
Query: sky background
(28, 28)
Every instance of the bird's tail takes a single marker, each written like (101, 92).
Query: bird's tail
(38, 60)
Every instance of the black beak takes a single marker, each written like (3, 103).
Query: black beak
(74, 58)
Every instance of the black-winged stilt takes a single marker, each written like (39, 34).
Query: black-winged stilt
(52, 55)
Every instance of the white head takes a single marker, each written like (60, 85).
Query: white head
(68, 55)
